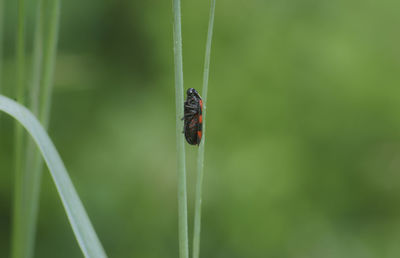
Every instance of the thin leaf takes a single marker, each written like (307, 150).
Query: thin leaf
(49, 61)
(18, 217)
(42, 63)
(80, 223)
(180, 144)
(200, 157)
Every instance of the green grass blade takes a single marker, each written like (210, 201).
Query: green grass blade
(43, 72)
(21, 27)
(18, 218)
(37, 64)
(200, 157)
(49, 61)
(33, 162)
(180, 144)
(45, 42)
(80, 223)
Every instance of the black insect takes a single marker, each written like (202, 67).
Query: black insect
(193, 119)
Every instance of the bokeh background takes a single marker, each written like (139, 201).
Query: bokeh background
(303, 128)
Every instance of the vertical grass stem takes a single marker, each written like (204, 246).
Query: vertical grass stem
(17, 234)
(49, 62)
(200, 157)
(33, 172)
(180, 145)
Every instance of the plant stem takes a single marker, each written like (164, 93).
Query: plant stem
(34, 91)
(17, 233)
(21, 51)
(180, 145)
(42, 77)
(48, 66)
(200, 157)
(49, 62)
(33, 169)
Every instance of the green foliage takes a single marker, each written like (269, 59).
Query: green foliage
(80, 223)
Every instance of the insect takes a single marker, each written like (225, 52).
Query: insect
(193, 119)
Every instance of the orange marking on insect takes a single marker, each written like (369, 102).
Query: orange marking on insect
(199, 135)
(200, 119)
(201, 104)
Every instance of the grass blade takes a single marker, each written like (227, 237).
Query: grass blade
(49, 61)
(180, 144)
(18, 218)
(200, 157)
(80, 223)
(20, 51)
(33, 162)
(37, 64)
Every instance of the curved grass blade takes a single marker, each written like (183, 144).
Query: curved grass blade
(200, 157)
(80, 223)
(180, 144)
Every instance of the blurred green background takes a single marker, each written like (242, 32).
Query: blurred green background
(303, 128)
